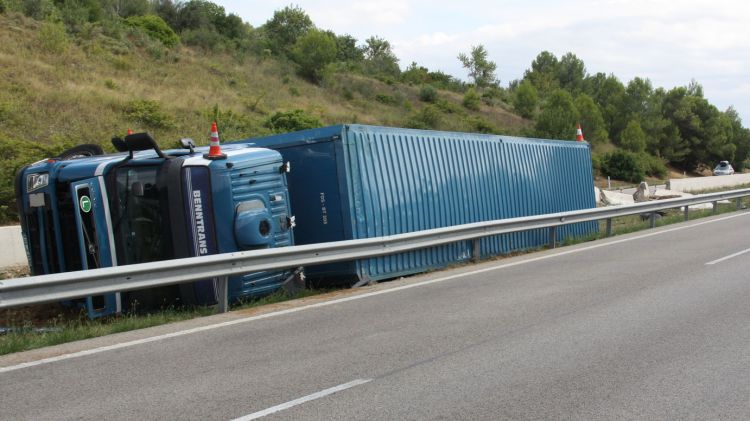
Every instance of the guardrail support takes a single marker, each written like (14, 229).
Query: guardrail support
(739, 203)
(552, 237)
(222, 292)
(687, 214)
(476, 249)
(716, 206)
(609, 227)
(652, 219)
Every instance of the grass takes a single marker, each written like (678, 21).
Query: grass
(67, 327)
(83, 91)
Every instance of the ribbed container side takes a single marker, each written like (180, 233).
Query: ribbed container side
(409, 180)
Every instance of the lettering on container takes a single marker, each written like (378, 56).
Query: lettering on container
(200, 227)
(323, 210)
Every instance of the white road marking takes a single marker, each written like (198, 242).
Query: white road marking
(345, 299)
(713, 262)
(308, 398)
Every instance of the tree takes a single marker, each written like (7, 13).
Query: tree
(347, 50)
(167, 10)
(129, 8)
(480, 69)
(705, 132)
(379, 58)
(543, 73)
(633, 138)
(313, 51)
(591, 119)
(286, 26)
(199, 14)
(571, 73)
(415, 74)
(525, 99)
(608, 93)
(558, 117)
(740, 138)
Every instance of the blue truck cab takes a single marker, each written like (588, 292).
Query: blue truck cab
(144, 205)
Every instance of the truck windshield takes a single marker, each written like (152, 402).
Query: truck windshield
(140, 216)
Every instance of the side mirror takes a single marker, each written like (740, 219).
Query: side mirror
(188, 143)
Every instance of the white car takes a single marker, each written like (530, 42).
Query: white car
(724, 168)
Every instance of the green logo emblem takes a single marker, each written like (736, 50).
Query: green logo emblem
(85, 203)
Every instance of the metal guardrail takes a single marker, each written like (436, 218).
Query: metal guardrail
(63, 286)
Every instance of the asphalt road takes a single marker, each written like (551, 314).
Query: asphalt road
(653, 325)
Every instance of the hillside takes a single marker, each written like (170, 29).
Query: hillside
(57, 91)
(83, 71)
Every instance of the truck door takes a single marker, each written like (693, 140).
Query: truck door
(92, 220)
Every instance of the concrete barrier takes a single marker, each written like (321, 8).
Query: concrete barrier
(13, 252)
(704, 183)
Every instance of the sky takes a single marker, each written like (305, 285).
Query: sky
(669, 42)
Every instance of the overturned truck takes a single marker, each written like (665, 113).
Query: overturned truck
(334, 183)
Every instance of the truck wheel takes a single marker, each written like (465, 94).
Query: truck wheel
(80, 151)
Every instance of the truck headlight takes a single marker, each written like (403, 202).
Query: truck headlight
(36, 181)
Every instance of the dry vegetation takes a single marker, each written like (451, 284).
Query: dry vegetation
(89, 90)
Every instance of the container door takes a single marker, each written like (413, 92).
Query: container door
(92, 217)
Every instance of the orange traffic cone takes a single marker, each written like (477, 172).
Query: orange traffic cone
(579, 133)
(130, 131)
(214, 152)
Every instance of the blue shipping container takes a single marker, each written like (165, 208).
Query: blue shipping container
(356, 181)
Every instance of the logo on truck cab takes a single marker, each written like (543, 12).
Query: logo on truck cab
(85, 204)
(199, 224)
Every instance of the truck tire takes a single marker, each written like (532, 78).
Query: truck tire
(80, 151)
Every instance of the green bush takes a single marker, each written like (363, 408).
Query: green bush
(472, 100)
(449, 107)
(481, 125)
(156, 28)
(148, 113)
(596, 163)
(290, 121)
(623, 165)
(38, 9)
(653, 166)
(204, 38)
(386, 99)
(427, 118)
(312, 52)
(233, 125)
(53, 38)
(427, 94)
(525, 99)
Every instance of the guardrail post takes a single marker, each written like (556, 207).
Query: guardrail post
(552, 237)
(222, 292)
(652, 218)
(687, 215)
(609, 227)
(716, 206)
(739, 203)
(476, 250)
